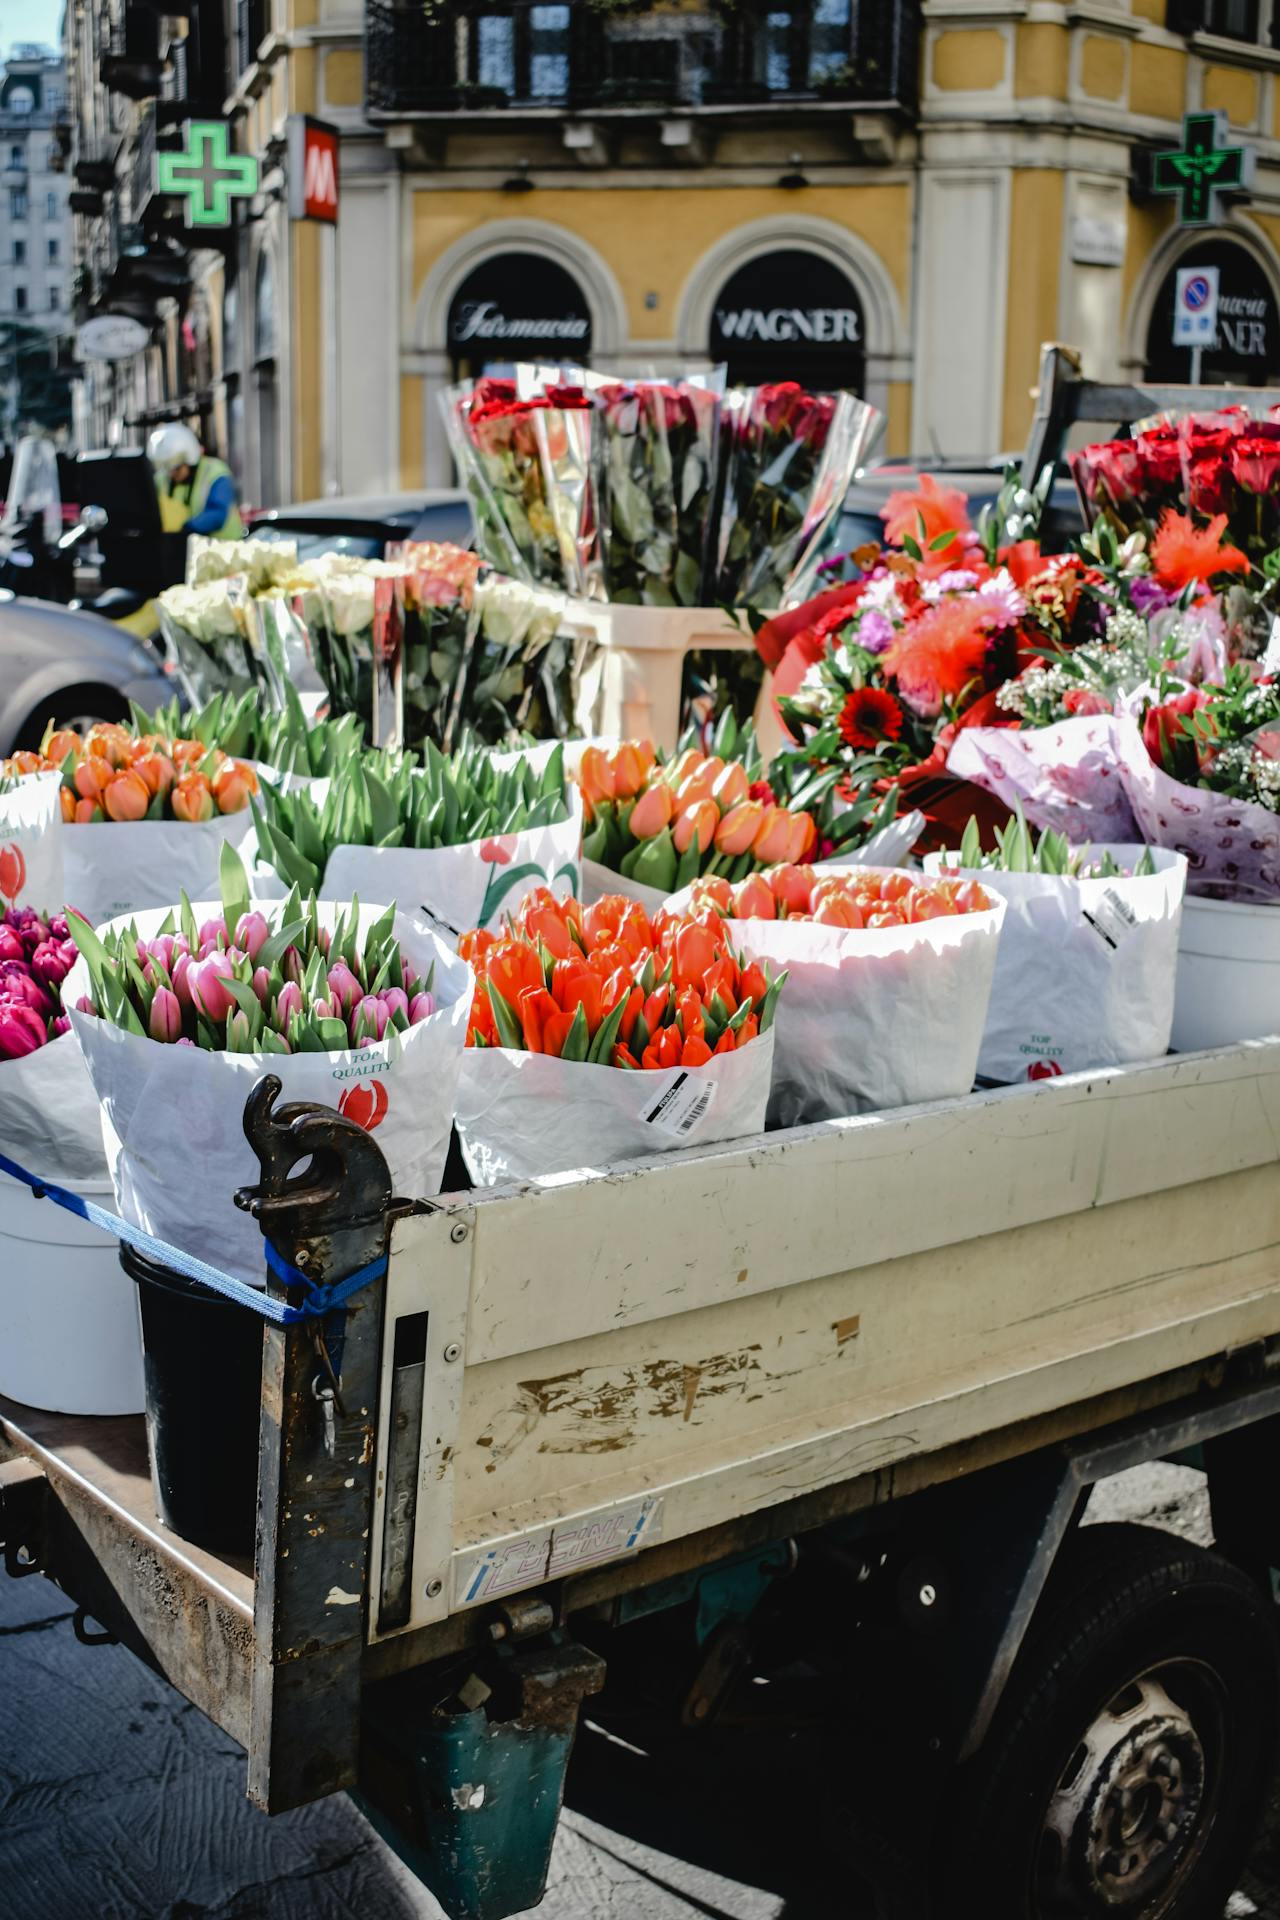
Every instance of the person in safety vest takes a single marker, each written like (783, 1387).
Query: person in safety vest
(197, 493)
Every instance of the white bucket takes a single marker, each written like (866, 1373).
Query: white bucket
(1228, 974)
(69, 1335)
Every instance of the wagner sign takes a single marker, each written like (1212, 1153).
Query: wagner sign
(788, 315)
(516, 304)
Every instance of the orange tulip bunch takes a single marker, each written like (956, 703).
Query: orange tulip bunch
(860, 897)
(113, 773)
(607, 986)
(664, 823)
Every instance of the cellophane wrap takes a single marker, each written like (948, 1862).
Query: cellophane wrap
(1086, 969)
(788, 457)
(173, 1116)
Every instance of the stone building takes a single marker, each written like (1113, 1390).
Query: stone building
(35, 224)
(905, 199)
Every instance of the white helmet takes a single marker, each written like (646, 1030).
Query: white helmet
(170, 447)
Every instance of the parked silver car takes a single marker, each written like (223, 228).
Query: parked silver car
(71, 667)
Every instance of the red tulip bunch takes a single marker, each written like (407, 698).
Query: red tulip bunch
(607, 986)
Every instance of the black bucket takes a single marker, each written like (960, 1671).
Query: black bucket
(202, 1360)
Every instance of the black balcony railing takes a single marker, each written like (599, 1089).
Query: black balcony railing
(462, 55)
(131, 63)
(253, 19)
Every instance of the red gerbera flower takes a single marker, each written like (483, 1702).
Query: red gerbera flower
(870, 717)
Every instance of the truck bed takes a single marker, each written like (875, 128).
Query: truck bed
(632, 1370)
(649, 1353)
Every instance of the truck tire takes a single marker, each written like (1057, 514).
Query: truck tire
(1127, 1766)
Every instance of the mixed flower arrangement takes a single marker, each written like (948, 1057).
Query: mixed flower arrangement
(608, 986)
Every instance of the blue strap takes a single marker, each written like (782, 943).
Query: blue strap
(317, 1300)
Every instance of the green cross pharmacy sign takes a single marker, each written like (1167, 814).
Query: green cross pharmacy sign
(207, 174)
(1203, 170)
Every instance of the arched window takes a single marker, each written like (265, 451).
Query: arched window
(790, 315)
(1246, 349)
(517, 306)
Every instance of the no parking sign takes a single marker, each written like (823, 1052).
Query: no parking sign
(1195, 307)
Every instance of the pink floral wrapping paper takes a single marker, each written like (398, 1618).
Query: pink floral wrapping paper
(1232, 846)
(1066, 777)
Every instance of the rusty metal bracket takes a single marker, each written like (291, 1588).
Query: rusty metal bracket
(315, 1476)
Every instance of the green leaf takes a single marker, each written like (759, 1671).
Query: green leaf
(510, 1034)
(578, 1038)
(234, 884)
(601, 1048)
(941, 540)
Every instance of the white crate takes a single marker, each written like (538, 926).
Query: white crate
(631, 691)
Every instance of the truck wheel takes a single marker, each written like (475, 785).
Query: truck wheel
(1126, 1769)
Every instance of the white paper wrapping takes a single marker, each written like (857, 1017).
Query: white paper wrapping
(172, 1117)
(49, 1119)
(475, 885)
(1080, 980)
(873, 1018)
(31, 835)
(599, 881)
(526, 1116)
(128, 866)
(1067, 777)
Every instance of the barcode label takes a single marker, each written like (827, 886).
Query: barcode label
(1112, 918)
(680, 1105)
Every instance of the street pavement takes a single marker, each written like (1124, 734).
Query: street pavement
(119, 1801)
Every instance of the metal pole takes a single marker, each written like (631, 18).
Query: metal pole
(1196, 353)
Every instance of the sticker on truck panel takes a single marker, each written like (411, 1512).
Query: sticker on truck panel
(550, 1553)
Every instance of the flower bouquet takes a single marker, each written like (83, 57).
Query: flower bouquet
(239, 728)
(657, 465)
(599, 1036)
(507, 450)
(788, 457)
(888, 978)
(145, 813)
(461, 836)
(654, 825)
(1088, 954)
(205, 631)
(519, 671)
(1167, 615)
(180, 1011)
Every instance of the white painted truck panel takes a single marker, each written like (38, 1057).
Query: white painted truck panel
(652, 1351)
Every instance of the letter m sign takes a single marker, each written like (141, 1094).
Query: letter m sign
(313, 170)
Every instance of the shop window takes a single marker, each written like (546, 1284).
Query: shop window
(517, 306)
(1246, 350)
(790, 315)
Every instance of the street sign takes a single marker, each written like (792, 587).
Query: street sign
(1195, 307)
(111, 336)
(207, 173)
(313, 170)
(1203, 170)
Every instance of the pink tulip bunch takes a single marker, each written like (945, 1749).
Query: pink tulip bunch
(246, 982)
(35, 958)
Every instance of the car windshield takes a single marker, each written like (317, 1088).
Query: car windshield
(364, 546)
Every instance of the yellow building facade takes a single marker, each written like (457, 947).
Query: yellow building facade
(905, 199)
